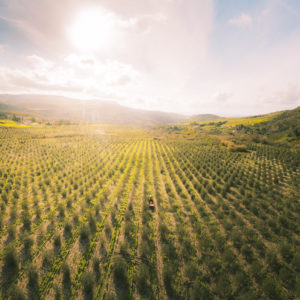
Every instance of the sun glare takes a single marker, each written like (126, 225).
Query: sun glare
(92, 30)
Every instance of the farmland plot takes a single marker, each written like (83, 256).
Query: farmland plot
(75, 221)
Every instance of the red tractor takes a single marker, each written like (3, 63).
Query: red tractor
(151, 202)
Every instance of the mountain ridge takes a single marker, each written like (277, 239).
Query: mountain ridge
(87, 111)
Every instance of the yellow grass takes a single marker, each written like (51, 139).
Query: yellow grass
(10, 123)
(244, 121)
(250, 120)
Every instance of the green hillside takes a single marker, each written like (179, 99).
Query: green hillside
(278, 127)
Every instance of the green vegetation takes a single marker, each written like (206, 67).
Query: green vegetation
(75, 220)
(279, 127)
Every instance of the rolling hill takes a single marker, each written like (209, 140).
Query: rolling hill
(88, 111)
(204, 118)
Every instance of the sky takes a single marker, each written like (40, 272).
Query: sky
(226, 57)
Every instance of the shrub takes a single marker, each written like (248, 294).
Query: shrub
(84, 234)
(26, 219)
(96, 267)
(169, 251)
(129, 228)
(228, 256)
(69, 203)
(247, 252)
(223, 287)
(124, 249)
(27, 242)
(286, 252)
(57, 293)
(88, 284)
(107, 230)
(120, 270)
(10, 263)
(256, 270)
(67, 230)
(242, 280)
(273, 262)
(102, 249)
(57, 243)
(163, 230)
(120, 274)
(92, 223)
(33, 283)
(199, 291)
(11, 232)
(191, 270)
(75, 219)
(16, 293)
(61, 210)
(214, 265)
(66, 278)
(168, 272)
(142, 282)
(288, 277)
(271, 289)
(47, 259)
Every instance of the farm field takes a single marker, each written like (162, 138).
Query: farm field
(75, 221)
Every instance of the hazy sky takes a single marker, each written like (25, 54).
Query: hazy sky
(226, 57)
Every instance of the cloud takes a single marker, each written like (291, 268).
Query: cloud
(223, 97)
(78, 75)
(289, 8)
(142, 23)
(166, 55)
(39, 62)
(241, 20)
(42, 31)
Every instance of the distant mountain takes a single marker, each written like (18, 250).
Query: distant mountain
(88, 111)
(7, 107)
(204, 118)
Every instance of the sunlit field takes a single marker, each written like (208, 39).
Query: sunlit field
(10, 123)
(75, 220)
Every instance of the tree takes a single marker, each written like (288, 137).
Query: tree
(10, 264)
(288, 277)
(16, 293)
(271, 289)
(247, 252)
(33, 283)
(57, 243)
(84, 234)
(198, 291)
(273, 262)
(67, 230)
(223, 287)
(96, 267)
(120, 275)
(66, 278)
(168, 272)
(15, 118)
(88, 284)
(143, 281)
(47, 259)
(27, 242)
(286, 252)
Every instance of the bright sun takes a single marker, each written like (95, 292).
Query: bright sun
(92, 29)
